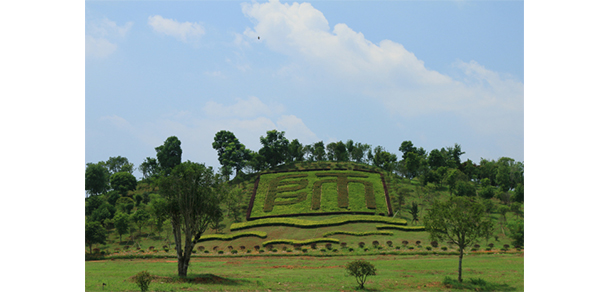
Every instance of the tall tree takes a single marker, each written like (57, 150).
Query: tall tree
(97, 178)
(140, 218)
(121, 223)
(169, 154)
(359, 151)
(406, 147)
(295, 151)
(94, 234)
(119, 164)
(319, 154)
(275, 147)
(436, 159)
(384, 159)
(150, 167)
(231, 153)
(460, 221)
(193, 202)
(123, 182)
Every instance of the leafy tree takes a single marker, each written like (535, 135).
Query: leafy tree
(150, 167)
(453, 177)
(460, 221)
(121, 223)
(193, 201)
(358, 152)
(105, 211)
(119, 164)
(295, 151)
(112, 197)
(169, 154)
(517, 232)
(384, 159)
(319, 154)
(231, 153)
(158, 210)
(125, 204)
(413, 162)
(257, 162)
(414, 211)
(275, 147)
(454, 154)
(503, 177)
(436, 159)
(96, 178)
(336, 151)
(92, 203)
(465, 189)
(123, 182)
(94, 233)
(519, 193)
(360, 269)
(233, 203)
(140, 218)
(406, 147)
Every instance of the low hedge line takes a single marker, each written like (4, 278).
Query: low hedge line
(301, 242)
(403, 228)
(358, 233)
(260, 234)
(315, 224)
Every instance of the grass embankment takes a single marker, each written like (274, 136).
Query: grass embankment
(256, 273)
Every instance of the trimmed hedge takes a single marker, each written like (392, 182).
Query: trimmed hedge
(301, 223)
(260, 234)
(300, 242)
(358, 233)
(403, 228)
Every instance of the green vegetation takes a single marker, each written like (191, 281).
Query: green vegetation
(360, 269)
(302, 242)
(403, 228)
(289, 193)
(232, 236)
(365, 233)
(315, 224)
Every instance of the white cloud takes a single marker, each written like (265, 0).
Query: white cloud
(385, 71)
(184, 31)
(98, 47)
(102, 35)
(248, 108)
(294, 127)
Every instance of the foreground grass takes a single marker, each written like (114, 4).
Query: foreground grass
(398, 273)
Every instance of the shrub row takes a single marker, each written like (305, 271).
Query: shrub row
(301, 223)
(358, 233)
(260, 234)
(403, 228)
(300, 242)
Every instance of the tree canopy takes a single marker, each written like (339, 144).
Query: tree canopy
(97, 178)
(169, 154)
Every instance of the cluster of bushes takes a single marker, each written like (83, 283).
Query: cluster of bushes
(315, 224)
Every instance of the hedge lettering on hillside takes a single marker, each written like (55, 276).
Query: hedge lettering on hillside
(315, 224)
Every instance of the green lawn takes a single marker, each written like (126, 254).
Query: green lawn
(303, 273)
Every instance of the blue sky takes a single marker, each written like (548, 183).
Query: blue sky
(377, 72)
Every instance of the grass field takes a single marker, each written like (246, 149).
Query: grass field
(304, 273)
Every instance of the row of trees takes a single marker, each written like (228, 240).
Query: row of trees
(441, 167)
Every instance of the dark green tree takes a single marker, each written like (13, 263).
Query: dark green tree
(406, 147)
(92, 203)
(169, 154)
(461, 221)
(384, 159)
(465, 189)
(413, 162)
(97, 178)
(436, 159)
(94, 234)
(453, 177)
(517, 232)
(193, 196)
(150, 167)
(358, 152)
(231, 153)
(275, 147)
(414, 211)
(119, 164)
(519, 193)
(360, 269)
(103, 212)
(121, 223)
(158, 210)
(295, 151)
(140, 218)
(319, 154)
(123, 182)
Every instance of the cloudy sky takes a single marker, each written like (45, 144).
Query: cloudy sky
(433, 72)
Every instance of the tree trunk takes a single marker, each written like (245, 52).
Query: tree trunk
(460, 266)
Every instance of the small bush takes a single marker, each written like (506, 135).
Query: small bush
(234, 251)
(297, 246)
(418, 242)
(351, 249)
(314, 245)
(434, 243)
(269, 247)
(361, 244)
(304, 250)
(323, 250)
(201, 248)
(289, 250)
(389, 243)
(242, 247)
(375, 243)
(405, 243)
(361, 270)
(329, 246)
(230, 247)
(284, 248)
(256, 247)
(366, 249)
(220, 252)
(410, 247)
(206, 251)
(248, 251)
(274, 250)
(215, 248)
(143, 280)
(428, 247)
(488, 248)
(151, 247)
(343, 244)
(397, 247)
(335, 250)
(194, 251)
(444, 248)
(261, 251)
(507, 246)
(491, 245)
(477, 246)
